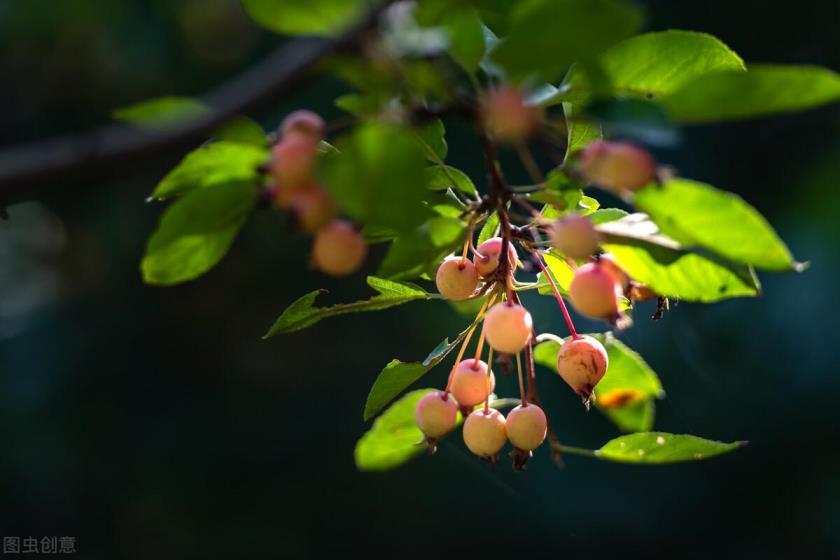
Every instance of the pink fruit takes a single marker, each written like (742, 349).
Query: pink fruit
(484, 432)
(291, 162)
(574, 236)
(582, 363)
(508, 327)
(594, 292)
(436, 414)
(616, 165)
(507, 116)
(526, 427)
(488, 262)
(469, 382)
(456, 278)
(338, 249)
(305, 123)
(313, 208)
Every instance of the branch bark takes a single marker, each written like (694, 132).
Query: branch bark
(116, 150)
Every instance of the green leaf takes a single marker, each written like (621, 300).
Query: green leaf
(394, 437)
(304, 17)
(442, 177)
(548, 35)
(654, 65)
(432, 136)
(466, 38)
(763, 90)
(488, 230)
(242, 130)
(604, 215)
(699, 215)
(213, 164)
(670, 270)
(635, 416)
(662, 448)
(398, 376)
(302, 313)
(644, 120)
(580, 133)
(195, 232)
(413, 253)
(378, 177)
(162, 111)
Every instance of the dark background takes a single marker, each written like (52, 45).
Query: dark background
(154, 423)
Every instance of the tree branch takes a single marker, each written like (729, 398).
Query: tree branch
(115, 150)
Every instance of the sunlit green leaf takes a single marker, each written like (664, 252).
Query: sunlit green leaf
(213, 164)
(304, 17)
(699, 215)
(762, 90)
(397, 376)
(433, 140)
(489, 229)
(162, 111)
(394, 437)
(195, 232)
(302, 313)
(662, 448)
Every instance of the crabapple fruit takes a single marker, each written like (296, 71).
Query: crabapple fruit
(608, 261)
(526, 426)
(488, 262)
(456, 278)
(594, 291)
(484, 432)
(338, 249)
(291, 162)
(616, 165)
(436, 414)
(575, 236)
(305, 123)
(508, 327)
(582, 363)
(469, 382)
(507, 116)
(313, 208)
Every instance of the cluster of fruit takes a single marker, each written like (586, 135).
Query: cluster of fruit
(338, 248)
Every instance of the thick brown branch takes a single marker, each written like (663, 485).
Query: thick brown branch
(116, 150)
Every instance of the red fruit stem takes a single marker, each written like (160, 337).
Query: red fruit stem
(489, 385)
(557, 295)
(484, 307)
(522, 399)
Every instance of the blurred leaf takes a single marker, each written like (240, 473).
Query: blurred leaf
(635, 416)
(442, 177)
(699, 215)
(662, 448)
(359, 104)
(378, 177)
(604, 215)
(656, 64)
(302, 313)
(213, 164)
(433, 138)
(670, 270)
(413, 253)
(762, 90)
(546, 36)
(640, 119)
(195, 232)
(304, 17)
(394, 437)
(466, 38)
(488, 230)
(398, 376)
(243, 130)
(580, 133)
(162, 111)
